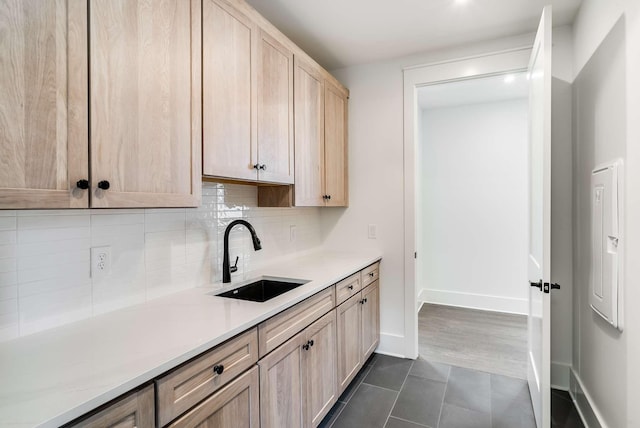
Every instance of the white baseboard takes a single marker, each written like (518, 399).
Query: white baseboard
(591, 416)
(475, 301)
(391, 344)
(560, 376)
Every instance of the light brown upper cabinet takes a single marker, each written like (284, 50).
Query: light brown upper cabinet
(335, 145)
(321, 138)
(43, 104)
(145, 98)
(309, 134)
(248, 98)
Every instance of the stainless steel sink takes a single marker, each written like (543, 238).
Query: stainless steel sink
(263, 289)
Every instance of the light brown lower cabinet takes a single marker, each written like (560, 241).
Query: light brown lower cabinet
(358, 332)
(349, 341)
(370, 319)
(298, 379)
(134, 410)
(236, 405)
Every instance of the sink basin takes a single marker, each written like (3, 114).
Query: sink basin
(263, 289)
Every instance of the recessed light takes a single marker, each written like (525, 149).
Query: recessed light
(509, 78)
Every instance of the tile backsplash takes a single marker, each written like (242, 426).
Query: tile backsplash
(45, 273)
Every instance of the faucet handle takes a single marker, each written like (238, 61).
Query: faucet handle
(234, 268)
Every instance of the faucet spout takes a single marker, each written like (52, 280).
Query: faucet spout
(226, 269)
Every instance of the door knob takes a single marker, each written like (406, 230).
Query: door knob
(536, 284)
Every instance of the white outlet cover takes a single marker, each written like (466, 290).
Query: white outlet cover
(100, 262)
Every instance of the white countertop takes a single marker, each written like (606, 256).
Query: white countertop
(52, 377)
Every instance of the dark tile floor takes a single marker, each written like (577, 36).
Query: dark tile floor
(398, 393)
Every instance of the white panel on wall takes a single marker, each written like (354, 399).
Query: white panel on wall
(606, 263)
(45, 278)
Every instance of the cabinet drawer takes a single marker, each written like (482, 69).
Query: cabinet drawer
(348, 287)
(185, 387)
(280, 328)
(237, 404)
(370, 274)
(134, 410)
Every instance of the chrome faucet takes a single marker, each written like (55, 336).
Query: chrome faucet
(226, 269)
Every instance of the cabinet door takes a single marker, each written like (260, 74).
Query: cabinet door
(145, 102)
(282, 385)
(135, 410)
(335, 145)
(235, 405)
(229, 146)
(309, 134)
(349, 342)
(274, 76)
(370, 319)
(43, 104)
(320, 369)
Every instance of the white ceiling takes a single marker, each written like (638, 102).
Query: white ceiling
(340, 33)
(474, 91)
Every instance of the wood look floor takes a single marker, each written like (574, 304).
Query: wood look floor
(486, 341)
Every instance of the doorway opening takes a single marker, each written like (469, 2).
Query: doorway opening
(472, 223)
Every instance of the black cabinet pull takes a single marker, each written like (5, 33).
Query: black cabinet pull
(218, 369)
(263, 167)
(371, 274)
(350, 287)
(311, 342)
(328, 196)
(256, 166)
(536, 284)
(104, 185)
(82, 184)
(306, 346)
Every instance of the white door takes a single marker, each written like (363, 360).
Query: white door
(539, 361)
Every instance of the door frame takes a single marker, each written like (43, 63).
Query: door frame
(489, 64)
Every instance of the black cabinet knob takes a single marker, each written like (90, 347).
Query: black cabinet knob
(104, 185)
(306, 346)
(328, 196)
(263, 167)
(311, 342)
(371, 274)
(218, 369)
(256, 166)
(350, 287)
(82, 184)
(536, 284)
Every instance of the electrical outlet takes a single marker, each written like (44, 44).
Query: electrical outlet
(372, 231)
(292, 233)
(100, 261)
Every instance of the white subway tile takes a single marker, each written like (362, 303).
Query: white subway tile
(53, 222)
(8, 278)
(47, 247)
(47, 310)
(7, 237)
(8, 223)
(7, 251)
(9, 292)
(49, 235)
(7, 265)
(50, 285)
